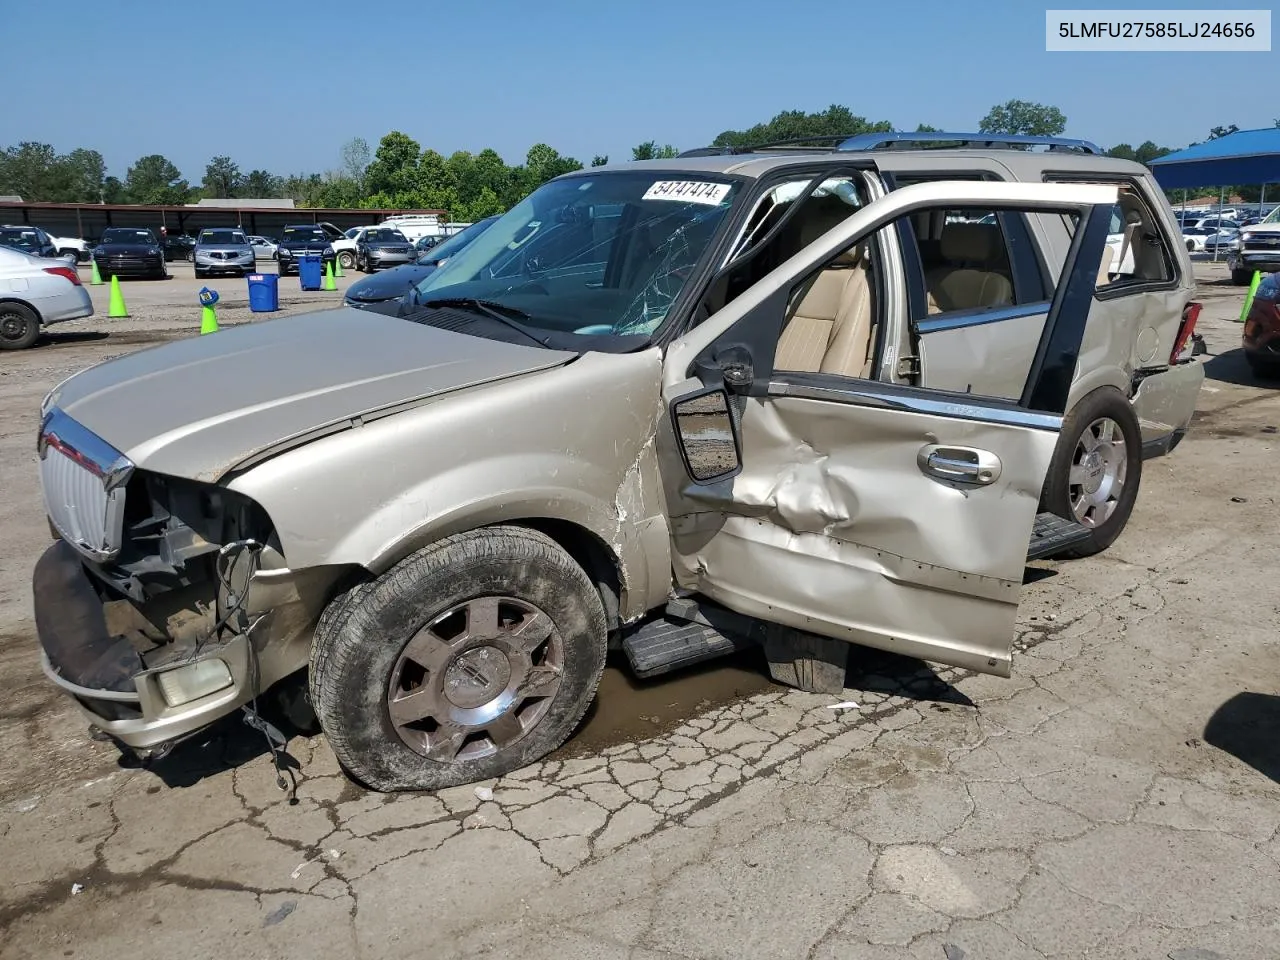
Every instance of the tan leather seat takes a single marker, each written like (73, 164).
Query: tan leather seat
(977, 269)
(832, 322)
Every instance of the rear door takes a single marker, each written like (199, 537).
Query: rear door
(887, 515)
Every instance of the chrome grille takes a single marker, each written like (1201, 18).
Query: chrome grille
(83, 480)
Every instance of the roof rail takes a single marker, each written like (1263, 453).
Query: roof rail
(901, 141)
(829, 141)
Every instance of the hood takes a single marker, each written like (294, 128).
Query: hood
(389, 284)
(201, 406)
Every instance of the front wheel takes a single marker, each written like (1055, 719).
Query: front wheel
(19, 326)
(1096, 469)
(470, 659)
(347, 259)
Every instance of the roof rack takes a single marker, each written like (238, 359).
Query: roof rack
(907, 141)
(903, 141)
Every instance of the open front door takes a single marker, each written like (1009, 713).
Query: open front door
(891, 516)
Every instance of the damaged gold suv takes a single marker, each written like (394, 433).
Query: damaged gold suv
(799, 397)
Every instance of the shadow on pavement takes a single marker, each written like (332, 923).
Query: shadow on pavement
(1231, 367)
(1246, 726)
(54, 338)
(875, 671)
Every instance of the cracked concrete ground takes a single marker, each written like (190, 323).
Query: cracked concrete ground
(1117, 798)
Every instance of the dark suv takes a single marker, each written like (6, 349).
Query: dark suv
(27, 239)
(299, 241)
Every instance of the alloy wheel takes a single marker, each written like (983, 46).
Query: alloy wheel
(1098, 469)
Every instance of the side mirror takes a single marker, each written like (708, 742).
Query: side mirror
(707, 434)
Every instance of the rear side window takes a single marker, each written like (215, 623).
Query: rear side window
(1138, 253)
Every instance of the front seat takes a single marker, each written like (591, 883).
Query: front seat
(977, 270)
(831, 323)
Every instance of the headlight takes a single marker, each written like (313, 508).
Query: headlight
(193, 681)
(283, 252)
(99, 251)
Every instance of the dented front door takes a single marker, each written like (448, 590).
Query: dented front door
(890, 516)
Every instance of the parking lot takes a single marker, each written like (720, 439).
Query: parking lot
(1117, 798)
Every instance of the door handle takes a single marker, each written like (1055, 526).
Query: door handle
(959, 464)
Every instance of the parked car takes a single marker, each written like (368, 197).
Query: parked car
(129, 252)
(683, 406)
(1222, 241)
(37, 293)
(1194, 237)
(1259, 249)
(423, 244)
(378, 247)
(1261, 335)
(385, 291)
(27, 239)
(223, 250)
(264, 248)
(179, 247)
(344, 247)
(71, 248)
(299, 241)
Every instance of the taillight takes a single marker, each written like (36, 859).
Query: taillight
(1190, 314)
(65, 272)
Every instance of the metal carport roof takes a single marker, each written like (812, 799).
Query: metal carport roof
(1246, 156)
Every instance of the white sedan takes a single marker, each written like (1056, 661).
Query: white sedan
(36, 292)
(263, 248)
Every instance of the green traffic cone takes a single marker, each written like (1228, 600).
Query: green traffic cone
(337, 266)
(116, 309)
(95, 278)
(208, 321)
(1248, 300)
(329, 282)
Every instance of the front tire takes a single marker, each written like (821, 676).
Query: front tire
(347, 259)
(1096, 469)
(470, 659)
(19, 326)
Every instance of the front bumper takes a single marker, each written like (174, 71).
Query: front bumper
(1266, 261)
(132, 267)
(72, 305)
(225, 266)
(374, 258)
(93, 649)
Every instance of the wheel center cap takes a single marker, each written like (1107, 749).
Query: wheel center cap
(476, 676)
(1095, 468)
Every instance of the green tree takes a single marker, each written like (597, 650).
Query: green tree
(303, 189)
(649, 150)
(81, 175)
(394, 167)
(222, 178)
(29, 171)
(339, 192)
(925, 128)
(543, 163)
(1024, 117)
(835, 121)
(600, 159)
(1218, 132)
(153, 179)
(1144, 153)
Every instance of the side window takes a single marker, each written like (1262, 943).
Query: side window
(786, 220)
(1138, 252)
(832, 319)
(967, 260)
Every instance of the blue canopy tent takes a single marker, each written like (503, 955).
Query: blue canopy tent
(1246, 156)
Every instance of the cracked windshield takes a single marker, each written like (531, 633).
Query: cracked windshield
(602, 255)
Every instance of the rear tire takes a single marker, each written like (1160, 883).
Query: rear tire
(1263, 369)
(498, 691)
(19, 326)
(1085, 458)
(1241, 278)
(347, 259)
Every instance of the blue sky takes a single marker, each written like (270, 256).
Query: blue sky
(586, 77)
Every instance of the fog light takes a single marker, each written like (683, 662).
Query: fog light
(193, 681)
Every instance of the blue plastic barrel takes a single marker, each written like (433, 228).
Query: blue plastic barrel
(264, 292)
(311, 272)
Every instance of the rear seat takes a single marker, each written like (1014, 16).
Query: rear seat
(830, 328)
(977, 269)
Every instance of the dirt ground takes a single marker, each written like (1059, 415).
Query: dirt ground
(1117, 798)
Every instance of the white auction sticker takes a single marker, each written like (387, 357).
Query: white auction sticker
(688, 191)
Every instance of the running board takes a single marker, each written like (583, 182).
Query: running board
(1051, 534)
(689, 633)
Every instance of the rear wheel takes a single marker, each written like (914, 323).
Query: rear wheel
(19, 326)
(1096, 469)
(470, 659)
(347, 259)
(1241, 278)
(1266, 369)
